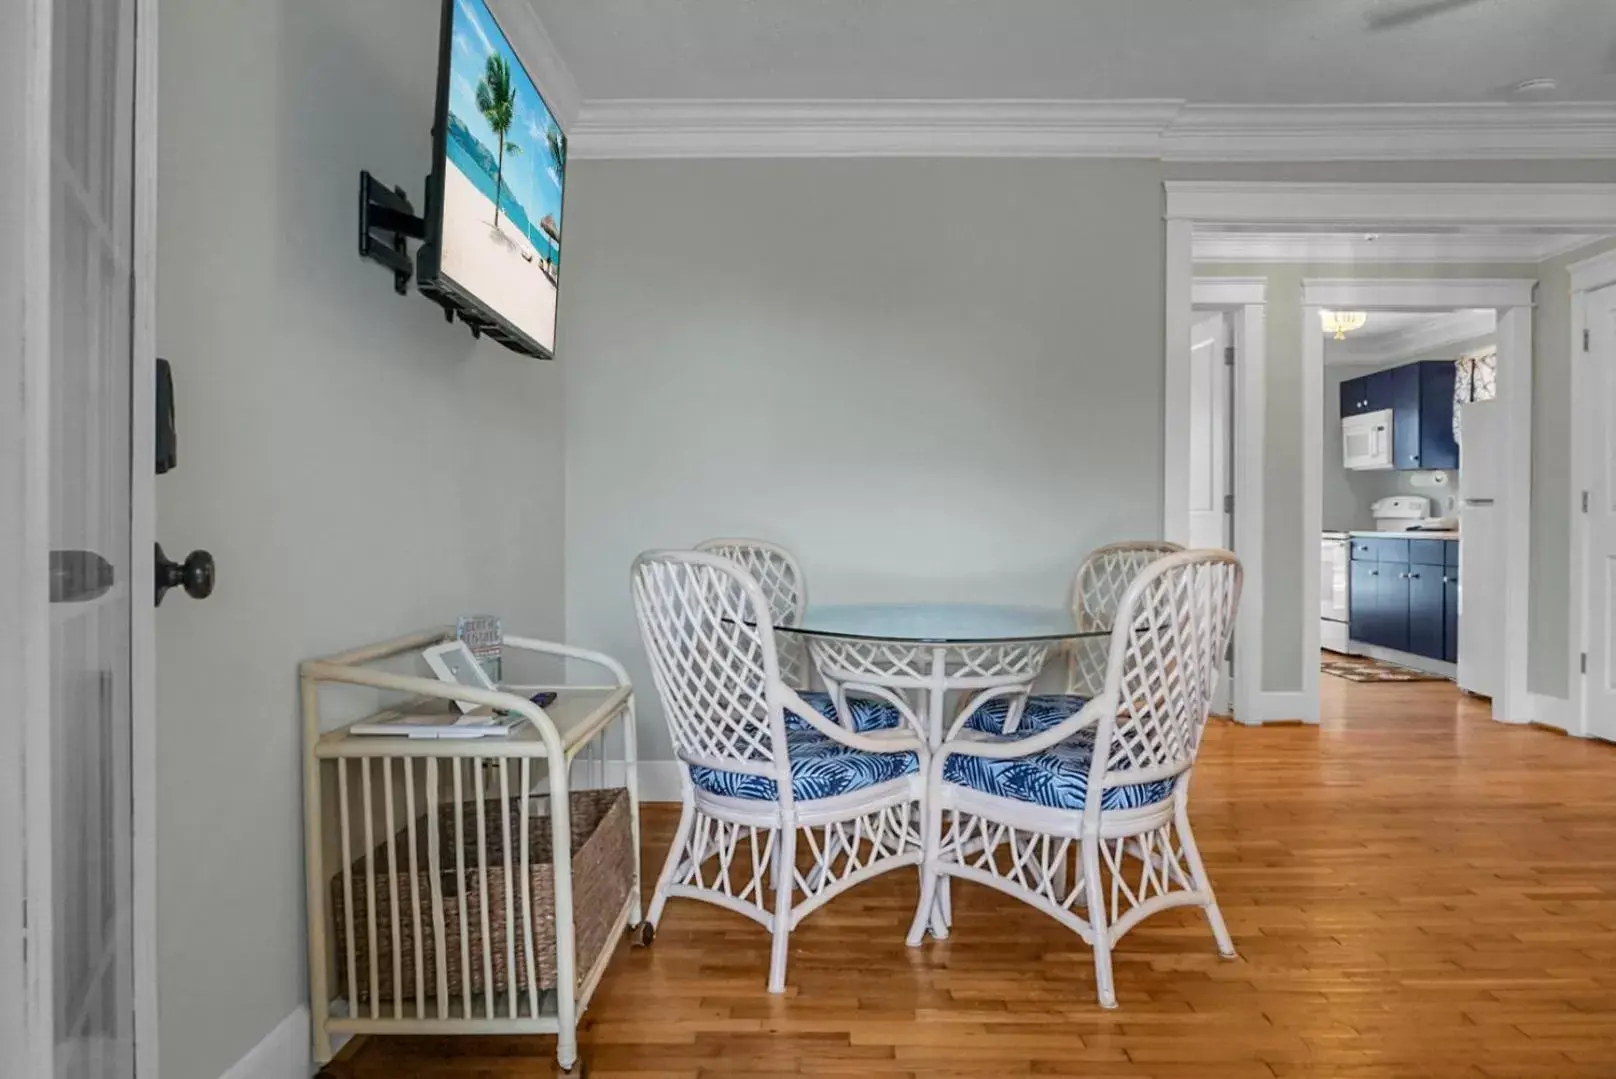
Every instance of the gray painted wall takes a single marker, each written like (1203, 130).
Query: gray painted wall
(931, 379)
(317, 409)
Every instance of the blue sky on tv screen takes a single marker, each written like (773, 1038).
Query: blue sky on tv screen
(530, 175)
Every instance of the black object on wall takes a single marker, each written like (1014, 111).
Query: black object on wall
(167, 444)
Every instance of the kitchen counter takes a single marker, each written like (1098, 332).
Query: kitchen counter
(1452, 534)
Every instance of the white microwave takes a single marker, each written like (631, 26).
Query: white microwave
(1366, 440)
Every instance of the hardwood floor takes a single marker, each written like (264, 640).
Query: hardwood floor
(1413, 889)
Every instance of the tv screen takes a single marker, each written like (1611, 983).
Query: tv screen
(494, 240)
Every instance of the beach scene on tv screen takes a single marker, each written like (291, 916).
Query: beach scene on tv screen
(506, 160)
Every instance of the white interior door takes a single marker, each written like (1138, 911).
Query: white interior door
(1210, 428)
(1212, 451)
(83, 555)
(1600, 574)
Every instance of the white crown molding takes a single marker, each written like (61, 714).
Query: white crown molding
(1396, 132)
(1423, 337)
(1592, 273)
(1395, 294)
(1170, 130)
(819, 128)
(1584, 207)
(543, 63)
(1389, 247)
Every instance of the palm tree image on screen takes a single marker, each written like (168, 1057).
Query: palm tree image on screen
(496, 100)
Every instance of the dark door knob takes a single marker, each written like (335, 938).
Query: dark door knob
(195, 574)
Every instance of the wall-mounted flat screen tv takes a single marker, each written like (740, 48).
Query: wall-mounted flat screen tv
(493, 247)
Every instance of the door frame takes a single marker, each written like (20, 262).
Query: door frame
(1586, 276)
(1244, 300)
(1334, 206)
(26, 989)
(1513, 299)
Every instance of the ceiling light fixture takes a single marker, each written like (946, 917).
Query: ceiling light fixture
(1342, 323)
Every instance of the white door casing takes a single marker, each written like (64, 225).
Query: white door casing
(76, 474)
(1599, 526)
(1513, 299)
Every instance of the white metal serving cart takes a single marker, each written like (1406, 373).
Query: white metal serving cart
(496, 910)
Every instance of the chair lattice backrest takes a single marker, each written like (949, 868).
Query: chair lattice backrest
(1096, 590)
(1173, 625)
(708, 634)
(780, 576)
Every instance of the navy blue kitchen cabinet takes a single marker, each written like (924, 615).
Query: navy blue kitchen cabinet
(1437, 446)
(1427, 619)
(1405, 416)
(1405, 595)
(1393, 600)
(1382, 392)
(1420, 396)
(1353, 399)
(1368, 393)
(1450, 614)
(1363, 602)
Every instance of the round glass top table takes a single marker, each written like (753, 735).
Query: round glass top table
(914, 655)
(940, 623)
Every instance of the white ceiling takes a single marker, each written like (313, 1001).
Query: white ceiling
(1227, 51)
(1389, 336)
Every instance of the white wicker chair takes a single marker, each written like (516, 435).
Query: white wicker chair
(778, 573)
(758, 765)
(1097, 589)
(1112, 780)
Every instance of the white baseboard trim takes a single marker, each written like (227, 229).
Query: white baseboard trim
(659, 780)
(1283, 707)
(283, 1053)
(1556, 712)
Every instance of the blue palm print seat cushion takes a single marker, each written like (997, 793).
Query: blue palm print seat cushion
(820, 768)
(868, 715)
(1058, 777)
(1043, 711)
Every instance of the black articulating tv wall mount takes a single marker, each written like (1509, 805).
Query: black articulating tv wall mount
(386, 221)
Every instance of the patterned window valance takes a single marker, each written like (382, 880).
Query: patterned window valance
(1476, 380)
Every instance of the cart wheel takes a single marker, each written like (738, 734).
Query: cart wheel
(641, 936)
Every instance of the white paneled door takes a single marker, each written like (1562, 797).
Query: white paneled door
(77, 356)
(1210, 427)
(1600, 314)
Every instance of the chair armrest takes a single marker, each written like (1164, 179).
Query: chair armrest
(998, 747)
(567, 651)
(886, 741)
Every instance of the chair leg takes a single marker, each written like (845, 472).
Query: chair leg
(1209, 902)
(1103, 982)
(783, 888)
(681, 839)
(931, 825)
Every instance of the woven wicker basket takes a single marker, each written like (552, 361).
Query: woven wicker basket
(602, 875)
